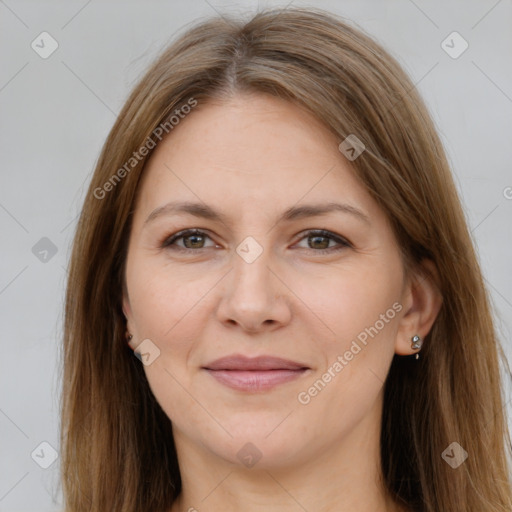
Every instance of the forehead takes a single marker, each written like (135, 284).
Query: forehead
(251, 153)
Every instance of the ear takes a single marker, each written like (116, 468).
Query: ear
(127, 311)
(422, 301)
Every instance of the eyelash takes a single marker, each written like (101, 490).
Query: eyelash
(169, 241)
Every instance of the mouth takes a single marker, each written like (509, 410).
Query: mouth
(254, 374)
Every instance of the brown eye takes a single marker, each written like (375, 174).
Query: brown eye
(320, 240)
(192, 240)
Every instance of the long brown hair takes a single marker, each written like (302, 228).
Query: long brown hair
(118, 451)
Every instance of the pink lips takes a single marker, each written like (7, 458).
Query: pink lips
(254, 374)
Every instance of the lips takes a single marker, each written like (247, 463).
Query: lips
(254, 374)
(237, 362)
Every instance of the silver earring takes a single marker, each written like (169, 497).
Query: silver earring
(129, 336)
(416, 344)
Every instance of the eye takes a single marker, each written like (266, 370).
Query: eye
(320, 240)
(193, 239)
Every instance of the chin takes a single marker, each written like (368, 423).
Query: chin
(256, 446)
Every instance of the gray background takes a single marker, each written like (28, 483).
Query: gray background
(56, 113)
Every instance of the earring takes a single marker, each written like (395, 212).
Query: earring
(416, 344)
(128, 336)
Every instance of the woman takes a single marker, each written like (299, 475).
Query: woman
(273, 231)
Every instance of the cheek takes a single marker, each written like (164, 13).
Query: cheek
(362, 307)
(167, 308)
(163, 300)
(347, 301)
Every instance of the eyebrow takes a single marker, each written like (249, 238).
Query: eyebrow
(293, 213)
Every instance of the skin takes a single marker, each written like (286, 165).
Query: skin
(251, 158)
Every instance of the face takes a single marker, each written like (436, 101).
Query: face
(259, 268)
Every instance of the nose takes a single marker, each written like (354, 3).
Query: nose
(254, 296)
